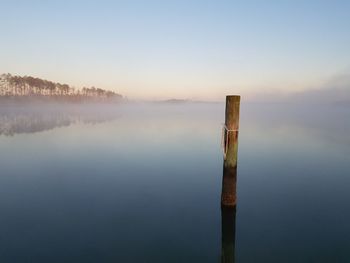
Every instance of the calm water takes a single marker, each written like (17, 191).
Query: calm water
(142, 183)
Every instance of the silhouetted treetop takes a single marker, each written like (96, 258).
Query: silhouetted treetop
(25, 86)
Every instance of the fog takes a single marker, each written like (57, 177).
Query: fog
(328, 122)
(334, 91)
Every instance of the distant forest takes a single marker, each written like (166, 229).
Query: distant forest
(29, 86)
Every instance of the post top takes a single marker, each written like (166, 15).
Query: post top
(233, 97)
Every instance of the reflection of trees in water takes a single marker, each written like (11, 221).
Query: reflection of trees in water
(12, 123)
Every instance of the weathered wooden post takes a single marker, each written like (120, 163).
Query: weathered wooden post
(230, 148)
(229, 178)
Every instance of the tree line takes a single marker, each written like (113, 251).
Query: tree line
(25, 86)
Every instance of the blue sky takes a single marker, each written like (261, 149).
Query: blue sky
(183, 49)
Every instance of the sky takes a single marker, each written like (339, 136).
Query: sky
(191, 49)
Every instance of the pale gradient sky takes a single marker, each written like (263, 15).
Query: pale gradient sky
(181, 48)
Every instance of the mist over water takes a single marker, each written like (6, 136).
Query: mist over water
(142, 182)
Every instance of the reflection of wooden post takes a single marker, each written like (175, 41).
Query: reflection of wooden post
(230, 144)
(228, 231)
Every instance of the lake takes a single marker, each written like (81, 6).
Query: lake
(142, 183)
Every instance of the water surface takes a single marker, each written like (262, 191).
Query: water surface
(142, 183)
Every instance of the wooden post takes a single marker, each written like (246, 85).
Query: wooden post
(230, 145)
